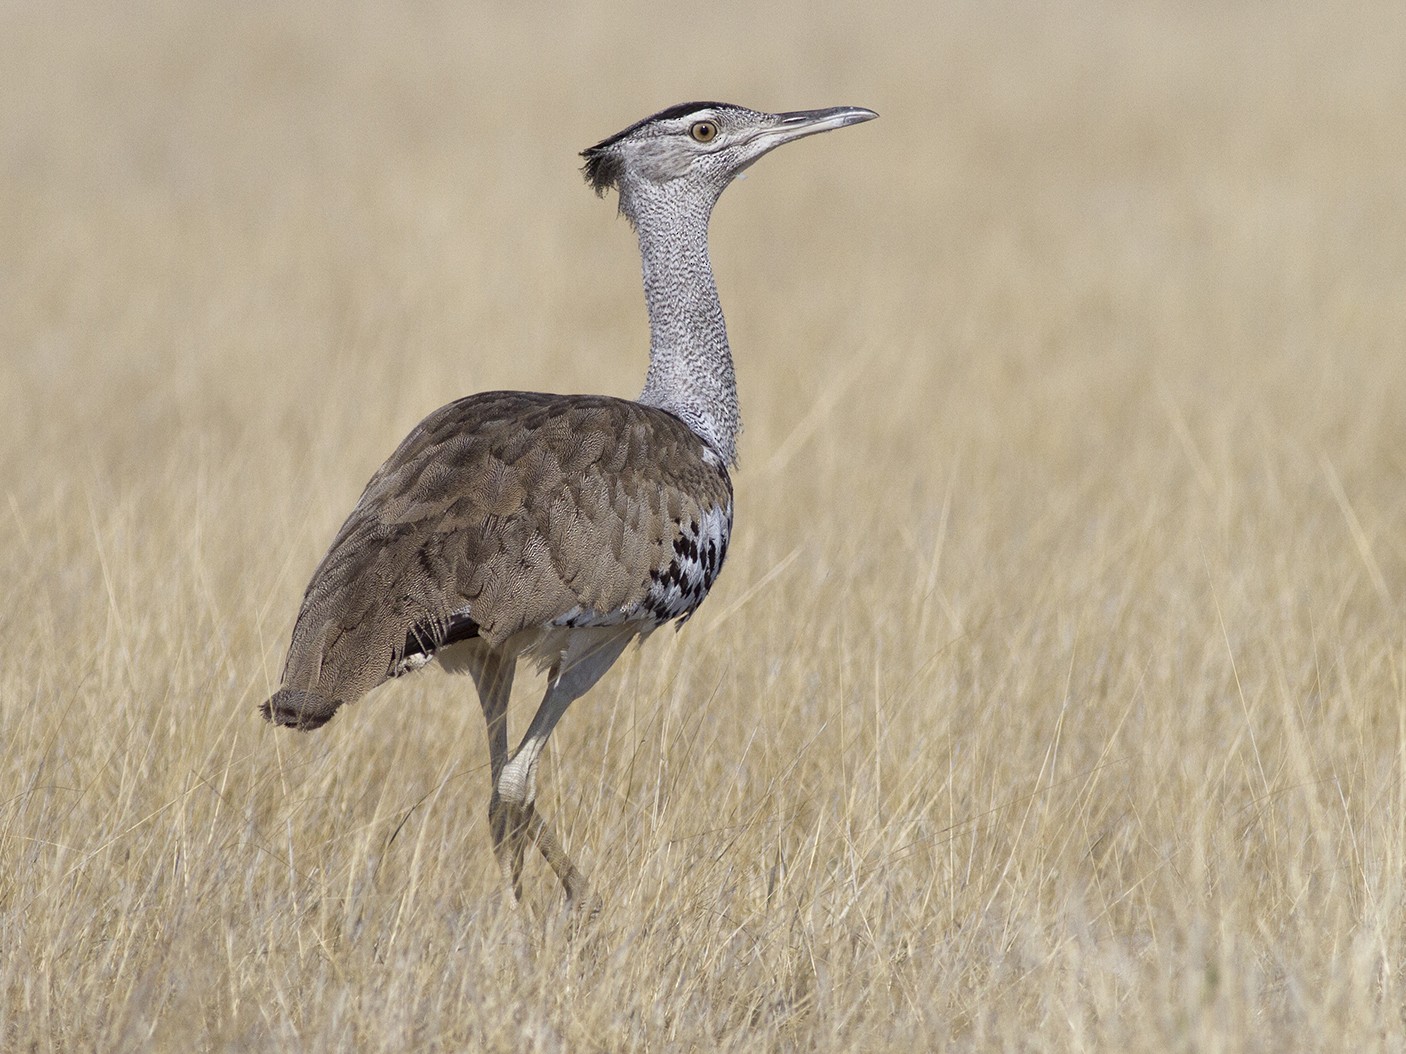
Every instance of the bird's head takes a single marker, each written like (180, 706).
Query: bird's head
(697, 148)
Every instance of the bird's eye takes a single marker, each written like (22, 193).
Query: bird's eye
(703, 131)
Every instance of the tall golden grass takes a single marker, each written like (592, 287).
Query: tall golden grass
(1054, 696)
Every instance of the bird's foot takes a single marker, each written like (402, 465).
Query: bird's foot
(514, 826)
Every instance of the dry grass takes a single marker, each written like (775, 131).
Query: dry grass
(1055, 694)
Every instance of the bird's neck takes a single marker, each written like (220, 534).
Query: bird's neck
(690, 364)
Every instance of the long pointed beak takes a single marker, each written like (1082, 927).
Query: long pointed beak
(801, 123)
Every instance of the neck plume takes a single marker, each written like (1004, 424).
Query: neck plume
(690, 364)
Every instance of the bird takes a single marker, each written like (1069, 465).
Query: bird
(555, 529)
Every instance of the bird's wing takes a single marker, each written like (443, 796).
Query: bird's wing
(506, 511)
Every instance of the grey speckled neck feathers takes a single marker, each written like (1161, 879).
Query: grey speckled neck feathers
(690, 364)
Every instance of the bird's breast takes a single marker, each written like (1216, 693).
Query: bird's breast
(679, 586)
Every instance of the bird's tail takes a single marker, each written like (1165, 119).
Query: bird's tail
(300, 708)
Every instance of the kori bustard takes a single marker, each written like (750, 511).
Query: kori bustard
(554, 527)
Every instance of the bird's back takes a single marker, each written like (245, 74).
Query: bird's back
(502, 513)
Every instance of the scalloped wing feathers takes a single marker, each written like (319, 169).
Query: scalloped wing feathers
(504, 512)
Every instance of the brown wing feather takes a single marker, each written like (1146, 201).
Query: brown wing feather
(498, 513)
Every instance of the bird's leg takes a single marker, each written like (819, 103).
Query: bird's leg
(586, 657)
(508, 826)
(572, 879)
(516, 792)
(493, 676)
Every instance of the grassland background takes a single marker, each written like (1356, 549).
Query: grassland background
(1054, 697)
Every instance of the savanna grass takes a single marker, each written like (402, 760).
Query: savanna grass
(1052, 698)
